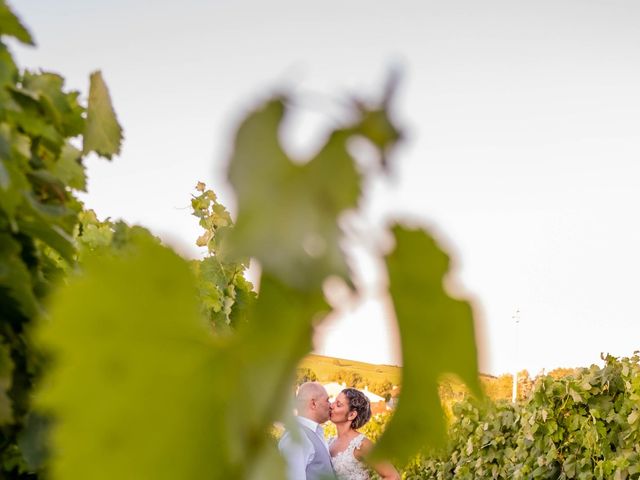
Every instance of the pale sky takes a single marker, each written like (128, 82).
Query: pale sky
(523, 149)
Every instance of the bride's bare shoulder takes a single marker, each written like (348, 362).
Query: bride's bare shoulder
(364, 449)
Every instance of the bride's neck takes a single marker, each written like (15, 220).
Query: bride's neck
(343, 429)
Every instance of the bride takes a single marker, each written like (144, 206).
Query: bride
(349, 412)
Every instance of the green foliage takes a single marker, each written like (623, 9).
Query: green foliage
(6, 374)
(305, 375)
(437, 338)
(225, 294)
(136, 381)
(584, 427)
(289, 223)
(384, 389)
(40, 170)
(288, 220)
(102, 133)
(562, 372)
(349, 378)
(11, 26)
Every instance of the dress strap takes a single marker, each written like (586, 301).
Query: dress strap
(356, 442)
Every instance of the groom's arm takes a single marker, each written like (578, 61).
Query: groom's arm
(297, 455)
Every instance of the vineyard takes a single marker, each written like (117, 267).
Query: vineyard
(583, 426)
(571, 424)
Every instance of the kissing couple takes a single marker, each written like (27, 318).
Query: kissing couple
(310, 456)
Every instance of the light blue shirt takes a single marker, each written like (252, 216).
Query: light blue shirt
(298, 450)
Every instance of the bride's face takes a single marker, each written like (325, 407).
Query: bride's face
(340, 410)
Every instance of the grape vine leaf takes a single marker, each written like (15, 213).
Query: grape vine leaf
(15, 279)
(376, 124)
(40, 225)
(280, 328)
(437, 336)
(103, 133)
(14, 157)
(134, 371)
(10, 25)
(289, 222)
(69, 168)
(268, 348)
(59, 108)
(149, 372)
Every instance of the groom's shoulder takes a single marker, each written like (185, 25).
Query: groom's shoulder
(293, 435)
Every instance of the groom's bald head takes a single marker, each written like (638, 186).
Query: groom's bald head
(312, 402)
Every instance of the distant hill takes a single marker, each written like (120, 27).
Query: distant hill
(326, 369)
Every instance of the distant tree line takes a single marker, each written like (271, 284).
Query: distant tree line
(350, 378)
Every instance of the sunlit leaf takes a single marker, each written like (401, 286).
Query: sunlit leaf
(279, 329)
(287, 213)
(267, 464)
(103, 133)
(437, 336)
(137, 386)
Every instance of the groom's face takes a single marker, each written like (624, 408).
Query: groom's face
(322, 406)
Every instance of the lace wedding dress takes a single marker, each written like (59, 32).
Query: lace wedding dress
(348, 467)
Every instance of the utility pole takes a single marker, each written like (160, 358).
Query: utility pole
(514, 392)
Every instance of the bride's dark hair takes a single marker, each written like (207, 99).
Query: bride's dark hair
(358, 403)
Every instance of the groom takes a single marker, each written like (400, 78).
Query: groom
(307, 454)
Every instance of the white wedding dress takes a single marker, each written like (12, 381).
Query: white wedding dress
(346, 466)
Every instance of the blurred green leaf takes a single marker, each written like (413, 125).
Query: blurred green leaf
(375, 122)
(287, 213)
(280, 328)
(145, 362)
(103, 133)
(6, 374)
(437, 338)
(11, 26)
(268, 464)
(137, 386)
(33, 440)
(8, 73)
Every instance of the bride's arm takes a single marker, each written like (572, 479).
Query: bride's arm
(384, 469)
